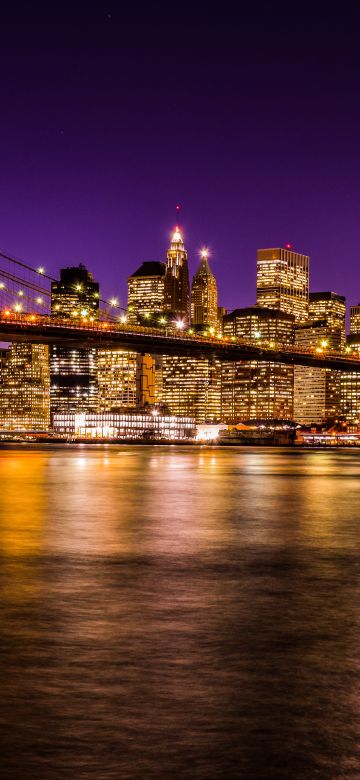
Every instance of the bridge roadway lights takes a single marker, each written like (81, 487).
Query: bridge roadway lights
(49, 330)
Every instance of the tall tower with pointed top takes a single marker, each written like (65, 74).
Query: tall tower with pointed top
(177, 287)
(204, 294)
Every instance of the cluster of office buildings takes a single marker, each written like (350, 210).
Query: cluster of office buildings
(104, 391)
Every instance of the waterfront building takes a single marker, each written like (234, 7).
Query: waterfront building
(25, 388)
(74, 371)
(329, 307)
(125, 426)
(177, 287)
(146, 292)
(282, 281)
(204, 295)
(192, 386)
(257, 389)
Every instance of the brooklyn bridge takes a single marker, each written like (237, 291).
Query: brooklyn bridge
(24, 317)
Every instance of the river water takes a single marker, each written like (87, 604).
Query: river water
(174, 612)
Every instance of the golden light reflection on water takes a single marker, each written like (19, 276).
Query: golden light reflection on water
(22, 502)
(23, 516)
(93, 501)
(201, 602)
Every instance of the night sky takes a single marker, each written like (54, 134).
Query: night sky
(253, 127)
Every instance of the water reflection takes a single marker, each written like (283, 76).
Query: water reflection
(179, 613)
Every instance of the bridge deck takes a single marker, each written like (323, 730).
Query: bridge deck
(39, 329)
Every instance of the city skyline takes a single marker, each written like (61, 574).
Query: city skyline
(194, 261)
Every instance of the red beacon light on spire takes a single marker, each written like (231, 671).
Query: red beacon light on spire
(288, 246)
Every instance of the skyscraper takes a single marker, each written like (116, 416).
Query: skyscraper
(350, 380)
(25, 387)
(74, 371)
(355, 320)
(330, 308)
(283, 281)
(177, 288)
(257, 389)
(192, 386)
(316, 390)
(204, 295)
(76, 294)
(146, 292)
(116, 380)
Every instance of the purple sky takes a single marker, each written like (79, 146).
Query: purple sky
(105, 125)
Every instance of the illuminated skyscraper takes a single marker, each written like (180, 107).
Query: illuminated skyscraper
(146, 292)
(330, 308)
(177, 288)
(192, 386)
(25, 388)
(116, 380)
(355, 320)
(204, 295)
(316, 390)
(76, 294)
(74, 371)
(350, 382)
(257, 389)
(283, 281)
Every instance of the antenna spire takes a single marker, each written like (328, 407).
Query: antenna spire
(177, 212)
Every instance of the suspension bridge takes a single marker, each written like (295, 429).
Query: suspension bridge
(25, 297)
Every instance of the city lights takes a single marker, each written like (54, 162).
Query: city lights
(197, 380)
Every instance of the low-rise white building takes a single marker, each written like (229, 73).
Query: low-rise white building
(110, 425)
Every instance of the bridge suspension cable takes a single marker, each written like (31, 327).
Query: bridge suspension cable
(109, 308)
